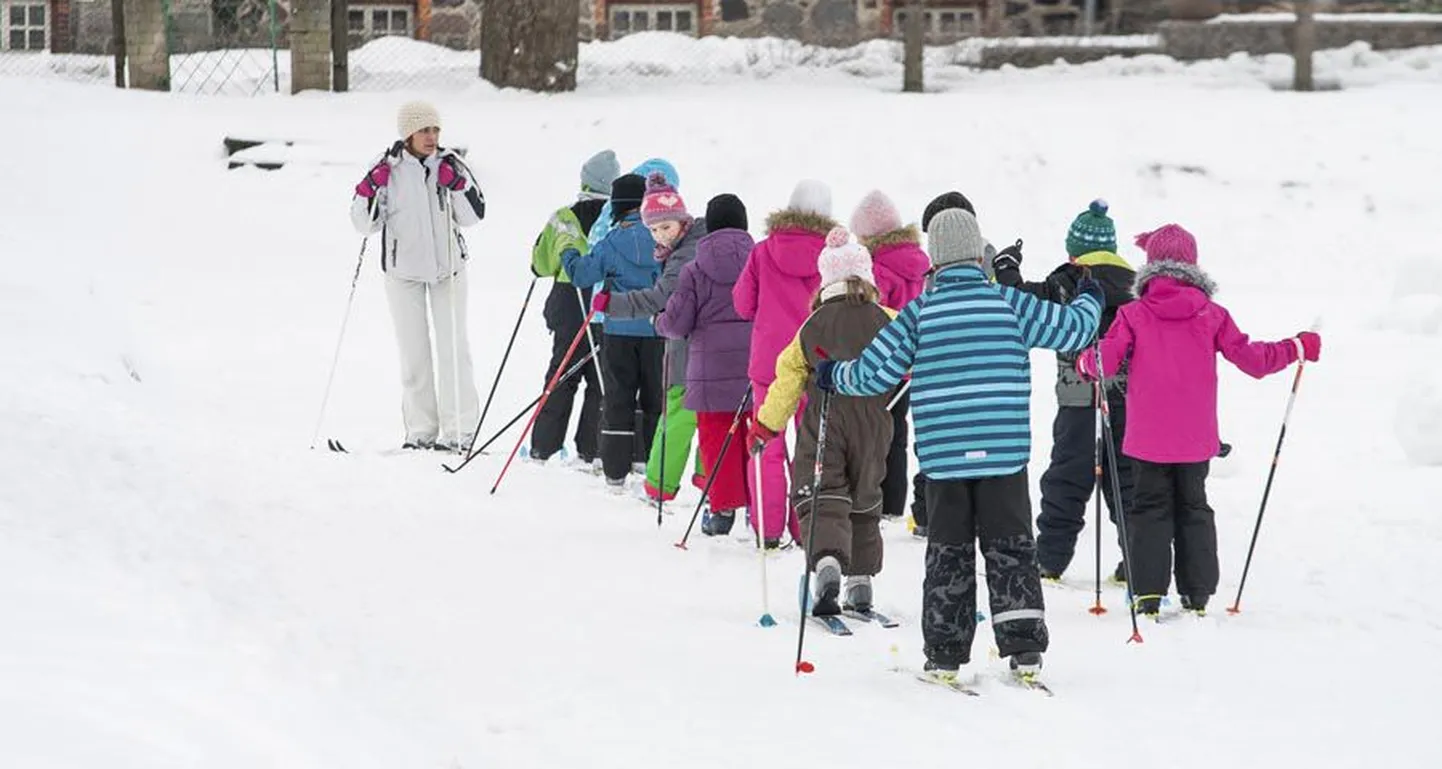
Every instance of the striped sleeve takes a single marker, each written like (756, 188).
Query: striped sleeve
(1052, 326)
(886, 360)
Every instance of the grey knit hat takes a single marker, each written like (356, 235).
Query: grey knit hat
(598, 172)
(954, 238)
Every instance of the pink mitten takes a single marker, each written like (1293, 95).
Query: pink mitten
(449, 177)
(375, 179)
(600, 301)
(1311, 345)
(1086, 364)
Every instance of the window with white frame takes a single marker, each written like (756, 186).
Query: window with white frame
(24, 26)
(379, 21)
(939, 23)
(627, 18)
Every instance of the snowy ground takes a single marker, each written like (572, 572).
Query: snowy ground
(186, 584)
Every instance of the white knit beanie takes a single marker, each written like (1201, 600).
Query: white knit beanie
(812, 197)
(843, 258)
(414, 116)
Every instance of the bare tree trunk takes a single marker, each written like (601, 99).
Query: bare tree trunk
(117, 21)
(530, 44)
(339, 46)
(1304, 42)
(914, 48)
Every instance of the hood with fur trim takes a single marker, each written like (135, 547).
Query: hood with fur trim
(1174, 290)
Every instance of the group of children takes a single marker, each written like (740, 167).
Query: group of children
(707, 331)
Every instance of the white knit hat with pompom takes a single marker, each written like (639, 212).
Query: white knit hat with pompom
(843, 258)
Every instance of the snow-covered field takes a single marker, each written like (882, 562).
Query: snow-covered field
(184, 583)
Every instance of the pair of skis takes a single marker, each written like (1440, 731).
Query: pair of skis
(1028, 681)
(838, 627)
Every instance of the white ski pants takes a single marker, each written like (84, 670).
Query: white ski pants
(420, 379)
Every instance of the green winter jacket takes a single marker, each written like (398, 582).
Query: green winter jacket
(562, 232)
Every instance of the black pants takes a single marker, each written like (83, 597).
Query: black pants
(633, 381)
(1069, 481)
(996, 512)
(893, 488)
(564, 316)
(918, 500)
(1171, 511)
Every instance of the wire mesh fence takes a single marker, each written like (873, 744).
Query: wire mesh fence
(241, 47)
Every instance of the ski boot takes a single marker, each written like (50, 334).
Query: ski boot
(1026, 663)
(1149, 606)
(1048, 575)
(1197, 604)
(1119, 577)
(858, 593)
(717, 523)
(828, 587)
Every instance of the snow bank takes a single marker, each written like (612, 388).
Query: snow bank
(661, 58)
(1418, 421)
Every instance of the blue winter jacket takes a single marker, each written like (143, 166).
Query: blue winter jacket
(624, 260)
(603, 222)
(966, 345)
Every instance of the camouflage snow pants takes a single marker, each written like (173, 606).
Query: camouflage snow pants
(997, 513)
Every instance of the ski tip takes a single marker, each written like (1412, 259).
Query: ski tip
(767, 621)
(805, 667)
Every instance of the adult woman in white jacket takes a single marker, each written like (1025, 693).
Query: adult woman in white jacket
(417, 196)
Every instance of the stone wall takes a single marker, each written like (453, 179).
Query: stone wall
(1192, 41)
(456, 23)
(822, 22)
(1042, 55)
(195, 25)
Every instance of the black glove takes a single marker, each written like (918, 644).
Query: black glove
(826, 375)
(1088, 285)
(1008, 258)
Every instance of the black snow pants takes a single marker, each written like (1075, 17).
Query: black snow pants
(1169, 511)
(564, 315)
(1069, 481)
(633, 381)
(997, 513)
(898, 465)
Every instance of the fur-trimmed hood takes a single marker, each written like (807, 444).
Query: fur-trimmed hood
(1189, 274)
(790, 219)
(908, 234)
(1174, 290)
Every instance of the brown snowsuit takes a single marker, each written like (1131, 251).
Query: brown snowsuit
(858, 436)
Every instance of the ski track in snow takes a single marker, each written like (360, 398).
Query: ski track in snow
(187, 584)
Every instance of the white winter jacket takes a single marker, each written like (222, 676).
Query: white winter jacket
(410, 214)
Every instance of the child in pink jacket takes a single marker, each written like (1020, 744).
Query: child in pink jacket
(774, 291)
(1169, 339)
(901, 267)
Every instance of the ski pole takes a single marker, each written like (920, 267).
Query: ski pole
(803, 666)
(455, 327)
(895, 399)
(550, 387)
(591, 340)
(716, 466)
(1236, 606)
(1120, 509)
(504, 357)
(572, 371)
(1097, 607)
(766, 619)
(335, 359)
(661, 464)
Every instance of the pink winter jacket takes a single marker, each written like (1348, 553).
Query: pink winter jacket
(900, 266)
(777, 284)
(1171, 335)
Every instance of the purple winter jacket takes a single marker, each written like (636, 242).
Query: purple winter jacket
(701, 308)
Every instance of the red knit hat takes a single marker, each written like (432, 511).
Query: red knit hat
(662, 202)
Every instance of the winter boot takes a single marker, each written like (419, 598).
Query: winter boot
(417, 446)
(941, 674)
(828, 587)
(717, 523)
(1026, 663)
(1119, 577)
(616, 486)
(1149, 606)
(858, 593)
(1196, 604)
(1049, 575)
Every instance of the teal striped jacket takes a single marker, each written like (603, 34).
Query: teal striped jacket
(965, 344)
